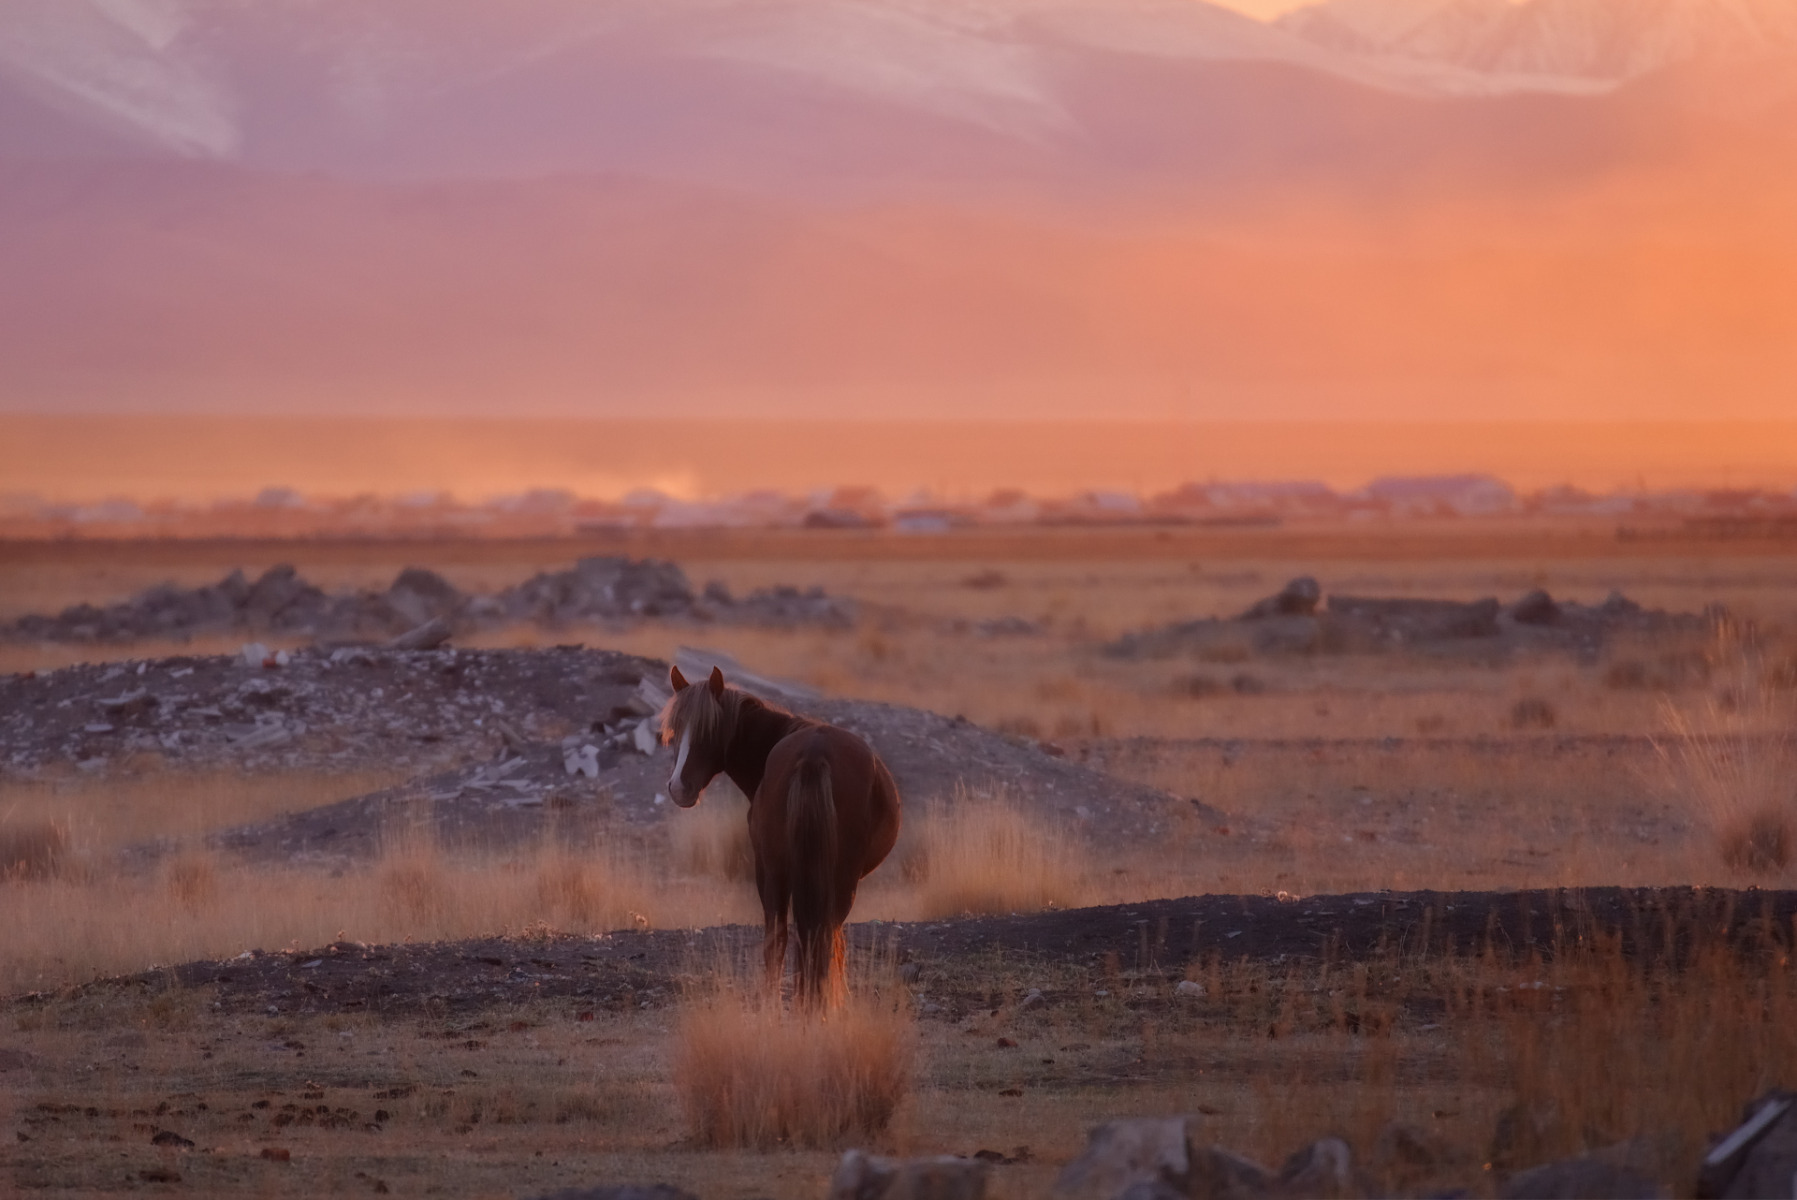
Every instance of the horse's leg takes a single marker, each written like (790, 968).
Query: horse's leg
(835, 976)
(774, 899)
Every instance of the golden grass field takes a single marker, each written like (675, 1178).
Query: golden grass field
(524, 1100)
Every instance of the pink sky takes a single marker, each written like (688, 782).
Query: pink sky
(1263, 9)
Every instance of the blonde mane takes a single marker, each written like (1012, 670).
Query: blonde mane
(711, 718)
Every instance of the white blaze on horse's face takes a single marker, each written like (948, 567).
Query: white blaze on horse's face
(677, 789)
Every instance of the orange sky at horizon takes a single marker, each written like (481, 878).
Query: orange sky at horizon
(1263, 10)
(199, 458)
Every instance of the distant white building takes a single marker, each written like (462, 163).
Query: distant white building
(928, 520)
(1436, 495)
(1276, 494)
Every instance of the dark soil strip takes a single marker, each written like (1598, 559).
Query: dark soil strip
(632, 969)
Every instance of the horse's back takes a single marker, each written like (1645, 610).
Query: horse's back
(865, 795)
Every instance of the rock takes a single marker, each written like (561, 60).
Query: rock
(696, 662)
(1217, 1174)
(1617, 605)
(1408, 621)
(1007, 627)
(1588, 1177)
(1188, 989)
(1325, 1168)
(1536, 608)
(168, 1137)
(580, 758)
(863, 1176)
(784, 607)
(1121, 1153)
(127, 704)
(1296, 599)
(281, 600)
(604, 587)
(1151, 1189)
(1759, 1156)
(1404, 1155)
(428, 636)
(637, 1191)
(420, 595)
(254, 654)
(646, 736)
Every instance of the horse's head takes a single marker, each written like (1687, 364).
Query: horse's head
(698, 721)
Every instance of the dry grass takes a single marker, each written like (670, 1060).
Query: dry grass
(152, 802)
(752, 1073)
(33, 849)
(1586, 1050)
(989, 854)
(199, 905)
(1272, 1055)
(1722, 1030)
(712, 839)
(1732, 761)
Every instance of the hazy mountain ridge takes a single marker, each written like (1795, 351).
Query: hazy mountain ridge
(1605, 41)
(701, 205)
(405, 87)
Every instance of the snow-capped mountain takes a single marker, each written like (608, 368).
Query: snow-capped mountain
(476, 86)
(945, 206)
(1603, 41)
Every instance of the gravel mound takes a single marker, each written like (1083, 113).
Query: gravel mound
(1288, 623)
(496, 742)
(282, 602)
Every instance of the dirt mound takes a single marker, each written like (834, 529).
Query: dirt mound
(282, 602)
(1153, 940)
(497, 739)
(1287, 624)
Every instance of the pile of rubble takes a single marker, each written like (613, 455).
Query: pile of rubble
(348, 708)
(489, 740)
(1297, 621)
(1167, 1158)
(282, 603)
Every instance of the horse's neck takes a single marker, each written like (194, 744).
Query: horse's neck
(757, 729)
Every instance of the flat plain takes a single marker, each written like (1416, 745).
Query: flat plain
(173, 982)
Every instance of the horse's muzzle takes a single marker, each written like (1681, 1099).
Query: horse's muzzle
(679, 795)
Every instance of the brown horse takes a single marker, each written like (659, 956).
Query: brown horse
(823, 812)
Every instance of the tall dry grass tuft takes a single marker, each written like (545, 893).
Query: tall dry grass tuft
(412, 880)
(986, 854)
(587, 895)
(192, 881)
(1732, 761)
(712, 840)
(750, 1073)
(33, 849)
(1722, 1028)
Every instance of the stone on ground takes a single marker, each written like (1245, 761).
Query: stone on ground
(863, 1176)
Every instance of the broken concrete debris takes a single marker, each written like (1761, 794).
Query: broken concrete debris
(421, 610)
(1289, 623)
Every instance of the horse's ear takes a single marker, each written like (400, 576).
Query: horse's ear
(716, 682)
(677, 679)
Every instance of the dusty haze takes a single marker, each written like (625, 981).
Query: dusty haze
(890, 211)
(197, 458)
